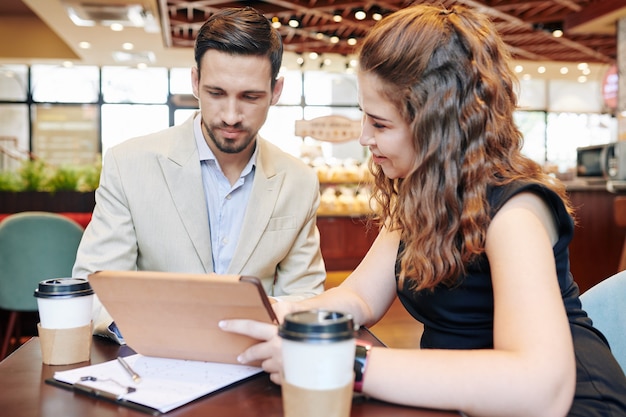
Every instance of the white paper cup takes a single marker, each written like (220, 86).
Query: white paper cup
(64, 303)
(318, 366)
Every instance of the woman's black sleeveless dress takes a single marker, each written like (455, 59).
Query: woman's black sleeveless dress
(461, 317)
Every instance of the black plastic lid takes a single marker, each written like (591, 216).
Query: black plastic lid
(63, 288)
(317, 326)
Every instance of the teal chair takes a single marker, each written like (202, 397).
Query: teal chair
(34, 246)
(605, 303)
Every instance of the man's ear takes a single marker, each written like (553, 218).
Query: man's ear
(195, 80)
(278, 89)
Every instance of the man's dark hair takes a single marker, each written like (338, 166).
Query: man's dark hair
(240, 31)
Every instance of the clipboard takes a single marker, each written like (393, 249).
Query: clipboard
(166, 384)
(176, 315)
(102, 395)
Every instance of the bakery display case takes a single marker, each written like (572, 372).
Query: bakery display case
(346, 233)
(345, 189)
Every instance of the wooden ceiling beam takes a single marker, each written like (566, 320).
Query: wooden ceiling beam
(598, 17)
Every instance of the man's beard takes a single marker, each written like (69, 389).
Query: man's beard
(226, 146)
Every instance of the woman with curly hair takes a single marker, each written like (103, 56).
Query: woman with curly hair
(474, 240)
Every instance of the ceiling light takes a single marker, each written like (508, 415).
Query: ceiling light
(276, 22)
(519, 68)
(360, 15)
(127, 46)
(564, 70)
(541, 69)
(334, 39)
(84, 45)
(337, 17)
(313, 55)
(133, 58)
(117, 27)
(351, 41)
(582, 79)
(83, 13)
(377, 13)
(293, 22)
(555, 28)
(582, 66)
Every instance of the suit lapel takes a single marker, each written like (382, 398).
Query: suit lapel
(265, 189)
(181, 169)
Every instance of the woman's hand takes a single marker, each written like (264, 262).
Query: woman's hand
(267, 351)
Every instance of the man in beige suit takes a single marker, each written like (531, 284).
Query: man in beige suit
(210, 195)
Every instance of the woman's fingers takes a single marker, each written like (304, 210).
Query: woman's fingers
(276, 378)
(267, 351)
(254, 329)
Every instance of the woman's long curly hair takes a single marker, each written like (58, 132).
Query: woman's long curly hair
(448, 73)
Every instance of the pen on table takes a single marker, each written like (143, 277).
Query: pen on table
(134, 375)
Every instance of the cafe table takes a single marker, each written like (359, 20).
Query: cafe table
(24, 392)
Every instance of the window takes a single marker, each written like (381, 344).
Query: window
(100, 107)
(292, 89)
(329, 88)
(66, 134)
(121, 122)
(532, 124)
(14, 130)
(280, 127)
(180, 81)
(59, 84)
(13, 82)
(134, 85)
(568, 131)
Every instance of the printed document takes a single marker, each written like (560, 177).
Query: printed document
(165, 384)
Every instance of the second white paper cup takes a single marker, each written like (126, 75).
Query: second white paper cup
(64, 303)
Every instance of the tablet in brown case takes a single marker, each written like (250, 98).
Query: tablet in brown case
(176, 315)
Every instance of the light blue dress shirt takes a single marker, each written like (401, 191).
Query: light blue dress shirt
(226, 204)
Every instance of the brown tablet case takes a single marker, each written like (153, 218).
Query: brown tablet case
(176, 315)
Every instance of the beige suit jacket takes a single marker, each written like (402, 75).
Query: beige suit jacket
(151, 214)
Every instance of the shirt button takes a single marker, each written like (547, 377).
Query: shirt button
(225, 241)
(229, 196)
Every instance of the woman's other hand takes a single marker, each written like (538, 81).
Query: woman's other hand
(267, 351)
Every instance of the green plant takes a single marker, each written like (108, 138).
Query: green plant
(64, 178)
(10, 181)
(36, 175)
(90, 177)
